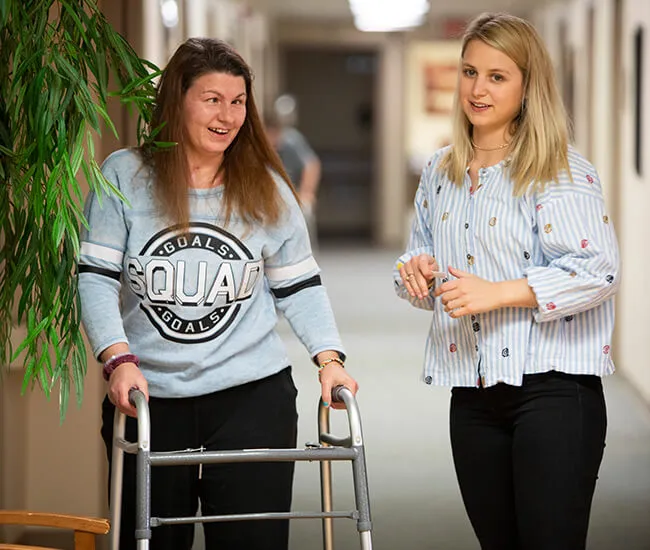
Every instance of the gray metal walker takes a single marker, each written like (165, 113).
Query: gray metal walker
(327, 449)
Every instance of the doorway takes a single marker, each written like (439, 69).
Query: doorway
(335, 91)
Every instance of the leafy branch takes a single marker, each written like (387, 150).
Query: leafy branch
(56, 60)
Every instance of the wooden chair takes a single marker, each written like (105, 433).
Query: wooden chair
(85, 528)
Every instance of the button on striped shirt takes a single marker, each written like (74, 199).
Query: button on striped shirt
(560, 238)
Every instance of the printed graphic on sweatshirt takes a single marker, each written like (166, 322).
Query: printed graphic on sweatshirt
(192, 283)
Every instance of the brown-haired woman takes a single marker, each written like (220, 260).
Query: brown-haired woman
(180, 285)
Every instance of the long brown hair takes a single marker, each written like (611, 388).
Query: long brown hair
(249, 188)
(539, 149)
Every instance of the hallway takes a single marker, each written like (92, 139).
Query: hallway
(414, 497)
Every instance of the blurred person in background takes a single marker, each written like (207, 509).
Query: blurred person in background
(514, 253)
(179, 289)
(298, 158)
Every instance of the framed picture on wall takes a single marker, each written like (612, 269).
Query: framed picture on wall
(439, 81)
(431, 79)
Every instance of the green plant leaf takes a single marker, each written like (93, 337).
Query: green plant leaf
(55, 62)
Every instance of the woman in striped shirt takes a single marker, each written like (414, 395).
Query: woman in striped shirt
(513, 251)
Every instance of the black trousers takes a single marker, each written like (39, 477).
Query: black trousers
(260, 414)
(527, 459)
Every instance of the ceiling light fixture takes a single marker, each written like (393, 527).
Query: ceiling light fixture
(169, 13)
(388, 15)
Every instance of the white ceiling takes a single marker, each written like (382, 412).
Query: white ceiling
(338, 9)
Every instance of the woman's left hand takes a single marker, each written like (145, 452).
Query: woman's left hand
(468, 294)
(332, 375)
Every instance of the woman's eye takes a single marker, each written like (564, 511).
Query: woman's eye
(213, 100)
(469, 72)
(497, 78)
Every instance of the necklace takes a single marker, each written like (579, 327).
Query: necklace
(497, 148)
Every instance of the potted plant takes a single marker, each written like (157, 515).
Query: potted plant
(56, 60)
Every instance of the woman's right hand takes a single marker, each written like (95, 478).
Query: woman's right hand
(418, 274)
(125, 377)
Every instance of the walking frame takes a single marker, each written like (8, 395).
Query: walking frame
(327, 449)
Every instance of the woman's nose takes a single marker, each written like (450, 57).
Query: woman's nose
(225, 113)
(479, 88)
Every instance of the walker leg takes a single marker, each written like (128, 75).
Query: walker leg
(117, 471)
(326, 480)
(366, 540)
(326, 503)
(362, 498)
(143, 500)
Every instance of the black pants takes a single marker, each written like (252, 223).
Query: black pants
(260, 414)
(527, 459)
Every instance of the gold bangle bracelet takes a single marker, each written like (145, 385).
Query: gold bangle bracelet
(322, 365)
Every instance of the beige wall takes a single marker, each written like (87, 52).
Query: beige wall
(632, 221)
(13, 446)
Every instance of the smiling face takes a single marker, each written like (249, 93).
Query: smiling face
(491, 89)
(214, 110)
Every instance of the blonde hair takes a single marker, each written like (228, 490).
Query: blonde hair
(540, 132)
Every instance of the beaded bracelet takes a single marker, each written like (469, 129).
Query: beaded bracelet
(116, 360)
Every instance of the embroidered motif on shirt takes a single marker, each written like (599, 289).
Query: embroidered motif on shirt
(548, 228)
(493, 221)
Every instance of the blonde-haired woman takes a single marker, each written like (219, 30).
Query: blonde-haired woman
(513, 251)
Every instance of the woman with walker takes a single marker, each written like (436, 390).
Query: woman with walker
(180, 285)
(514, 253)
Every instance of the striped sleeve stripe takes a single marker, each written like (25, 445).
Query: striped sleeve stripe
(293, 289)
(99, 271)
(102, 252)
(291, 271)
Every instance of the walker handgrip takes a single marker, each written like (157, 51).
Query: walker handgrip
(132, 395)
(336, 394)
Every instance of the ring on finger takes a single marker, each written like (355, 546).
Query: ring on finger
(409, 276)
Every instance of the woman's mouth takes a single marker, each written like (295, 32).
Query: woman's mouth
(479, 107)
(219, 131)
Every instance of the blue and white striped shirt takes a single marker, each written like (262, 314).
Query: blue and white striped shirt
(559, 238)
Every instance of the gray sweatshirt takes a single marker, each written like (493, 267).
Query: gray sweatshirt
(197, 307)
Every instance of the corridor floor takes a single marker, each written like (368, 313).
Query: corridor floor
(414, 497)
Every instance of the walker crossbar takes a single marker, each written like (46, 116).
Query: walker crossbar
(329, 448)
(250, 455)
(353, 514)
